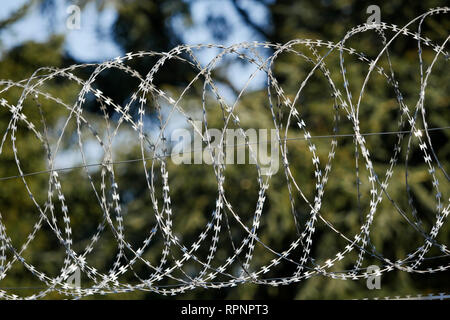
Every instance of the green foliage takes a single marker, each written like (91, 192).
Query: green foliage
(144, 25)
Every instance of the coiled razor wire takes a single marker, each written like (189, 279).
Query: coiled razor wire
(431, 296)
(108, 194)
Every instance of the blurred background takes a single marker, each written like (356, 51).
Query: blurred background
(34, 34)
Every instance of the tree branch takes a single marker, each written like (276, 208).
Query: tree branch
(244, 15)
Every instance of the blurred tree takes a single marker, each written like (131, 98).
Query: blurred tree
(146, 25)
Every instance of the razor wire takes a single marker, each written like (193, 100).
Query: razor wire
(154, 154)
